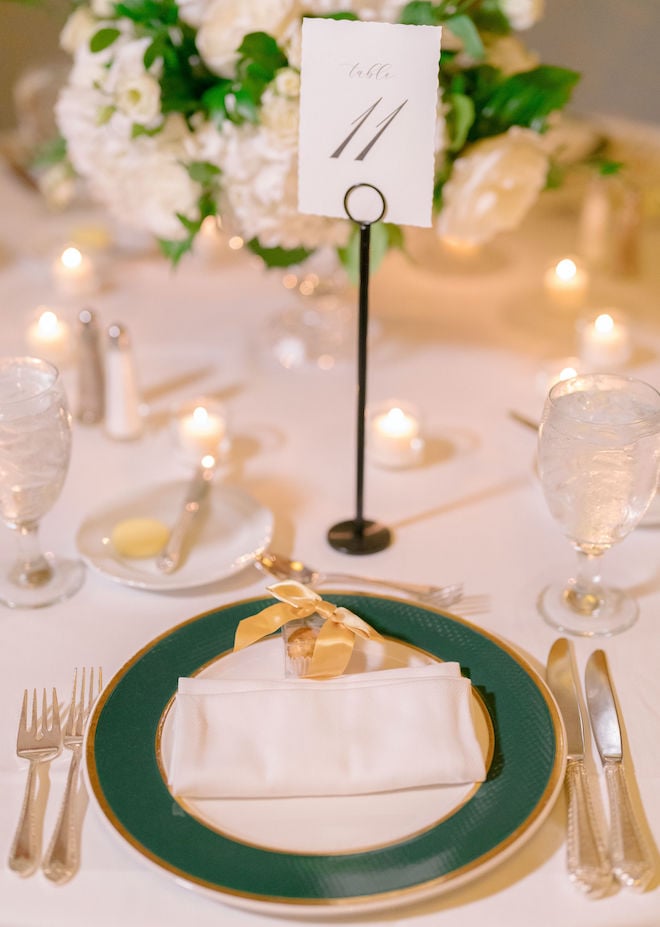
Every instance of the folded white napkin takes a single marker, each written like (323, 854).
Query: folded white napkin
(372, 732)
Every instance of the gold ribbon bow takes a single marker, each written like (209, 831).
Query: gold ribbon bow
(336, 638)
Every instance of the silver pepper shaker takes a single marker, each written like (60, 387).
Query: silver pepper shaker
(122, 411)
(91, 387)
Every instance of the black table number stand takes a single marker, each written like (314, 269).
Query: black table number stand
(359, 535)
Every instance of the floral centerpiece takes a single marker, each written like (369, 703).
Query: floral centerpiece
(176, 110)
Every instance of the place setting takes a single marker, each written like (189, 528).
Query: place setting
(356, 681)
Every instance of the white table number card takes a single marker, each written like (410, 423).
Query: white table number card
(368, 104)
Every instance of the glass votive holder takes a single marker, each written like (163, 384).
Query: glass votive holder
(554, 370)
(566, 283)
(74, 274)
(394, 436)
(299, 637)
(50, 337)
(200, 428)
(605, 343)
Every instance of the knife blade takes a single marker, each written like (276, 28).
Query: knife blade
(632, 861)
(169, 558)
(586, 858)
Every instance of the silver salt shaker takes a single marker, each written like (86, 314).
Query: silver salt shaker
(91, 387)
(123, 420)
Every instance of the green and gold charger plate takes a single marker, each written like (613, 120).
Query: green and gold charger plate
(525, 774)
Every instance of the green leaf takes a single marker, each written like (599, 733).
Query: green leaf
(346, 15)
(419, 13)
(174, 250)
(465, 30)
(137, 130)
(103, 39)
(384, 236)
(278, 257)
(203, 172)
(524, 99)
(49, 153)
(263, 49)
(488, 17)
(459, 119)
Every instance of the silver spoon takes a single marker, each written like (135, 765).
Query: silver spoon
(282, 567)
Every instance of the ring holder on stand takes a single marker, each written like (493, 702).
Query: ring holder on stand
(359, 535)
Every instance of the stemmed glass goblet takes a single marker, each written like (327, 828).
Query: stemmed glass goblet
(35, 447)
(598, 461)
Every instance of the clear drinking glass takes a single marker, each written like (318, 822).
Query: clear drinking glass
(598, 462)
(35, 446)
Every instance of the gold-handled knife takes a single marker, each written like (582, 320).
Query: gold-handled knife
(586, 858)
(632, 862)
(170, 557)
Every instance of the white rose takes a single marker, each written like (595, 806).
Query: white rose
(102, 8)
(78, 30)
(192, 11)
(280, 115)
(287, 83)
(139, 98)
(492, 186)
(227, 22)
(522, 14)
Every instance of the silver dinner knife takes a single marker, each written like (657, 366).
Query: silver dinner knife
(631, 858)
(170, 557)
(586, 859)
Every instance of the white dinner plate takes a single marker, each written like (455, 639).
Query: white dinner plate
(325, 857)
(230, 531)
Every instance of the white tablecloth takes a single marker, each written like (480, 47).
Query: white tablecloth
(465, 341)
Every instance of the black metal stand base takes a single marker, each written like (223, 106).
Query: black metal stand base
(359, 537)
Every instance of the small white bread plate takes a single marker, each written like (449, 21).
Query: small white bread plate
(228, 534)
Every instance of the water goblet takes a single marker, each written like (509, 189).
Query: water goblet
(598, 461)
(35, 446)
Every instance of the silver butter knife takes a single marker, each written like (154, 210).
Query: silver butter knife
(632, 862)
(170, 557)
(586, 858)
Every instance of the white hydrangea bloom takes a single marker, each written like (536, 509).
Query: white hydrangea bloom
(522, 14)
(492, 186)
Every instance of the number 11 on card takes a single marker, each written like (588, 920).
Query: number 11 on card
(360, 120)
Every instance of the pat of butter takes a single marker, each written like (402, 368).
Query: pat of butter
(139, 537)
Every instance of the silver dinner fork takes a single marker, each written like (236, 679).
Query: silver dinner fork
(36, 743)
(63, 856)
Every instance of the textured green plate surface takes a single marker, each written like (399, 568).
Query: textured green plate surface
(523, 779)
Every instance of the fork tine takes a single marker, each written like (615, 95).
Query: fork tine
(22, 721)
(33, 726)
(71, 719)
(55, 726)
(80, 713)
(44, 713)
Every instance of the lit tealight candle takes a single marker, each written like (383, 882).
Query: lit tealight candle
(74, 273)
(210, 244)
(394, 438)
(566, 284)
(605, 343)
(49, 338)
(554, 371)
(201, 429)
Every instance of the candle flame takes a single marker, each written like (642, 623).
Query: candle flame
(566, 269)
(200, 415)
(604, 323)
(47, 323)
(396, 422)
(71, 258)
(208, 460)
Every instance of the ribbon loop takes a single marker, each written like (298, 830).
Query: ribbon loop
(336, 638)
